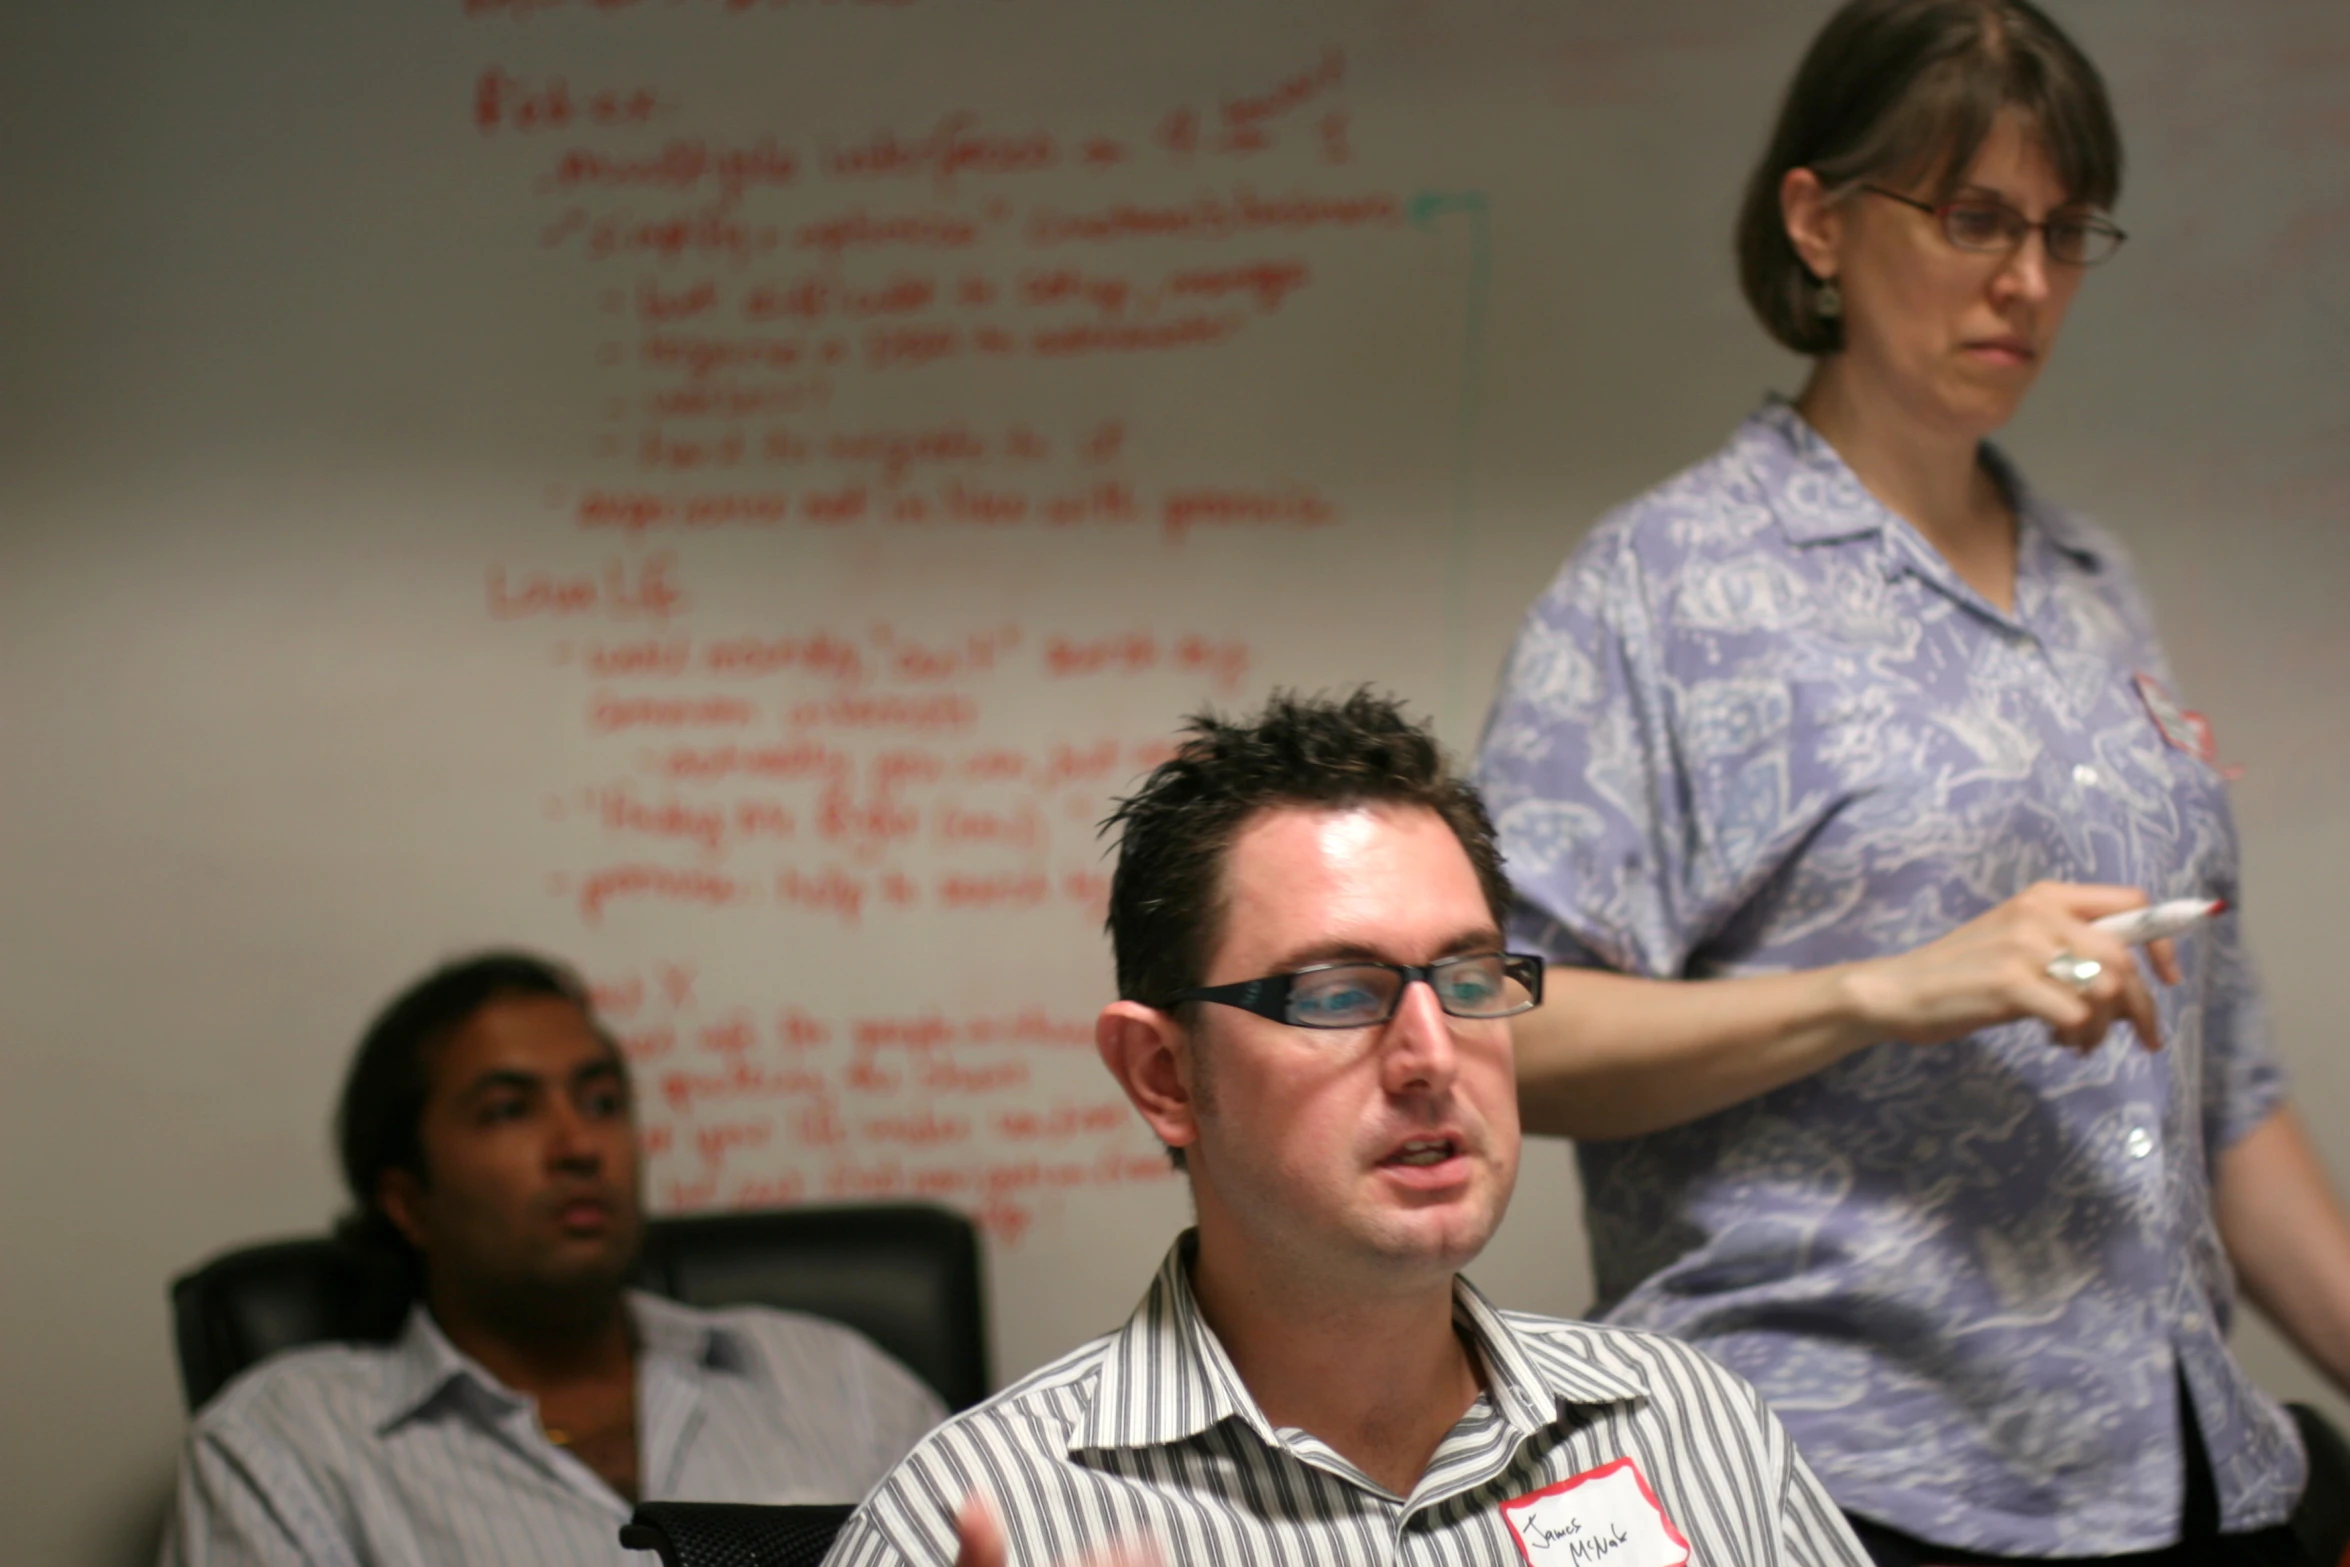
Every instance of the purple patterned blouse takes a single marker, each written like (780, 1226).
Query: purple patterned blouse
(1757, 725)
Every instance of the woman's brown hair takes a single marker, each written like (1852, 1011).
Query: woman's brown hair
(1905, 91)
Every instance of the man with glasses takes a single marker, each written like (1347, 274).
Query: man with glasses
(1313, 1018)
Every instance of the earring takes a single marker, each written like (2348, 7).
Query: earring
(1828, 303)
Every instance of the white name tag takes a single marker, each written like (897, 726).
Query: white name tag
(1605, 1517)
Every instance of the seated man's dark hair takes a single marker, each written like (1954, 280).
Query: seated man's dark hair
(1166, 895)
(377, 1121)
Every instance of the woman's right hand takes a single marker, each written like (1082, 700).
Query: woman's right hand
(1994, 969)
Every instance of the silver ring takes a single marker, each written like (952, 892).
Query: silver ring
(2069, 968)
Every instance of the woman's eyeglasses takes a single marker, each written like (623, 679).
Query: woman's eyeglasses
(1990, 227)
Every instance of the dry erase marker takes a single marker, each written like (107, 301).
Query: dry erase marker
(2162, 919)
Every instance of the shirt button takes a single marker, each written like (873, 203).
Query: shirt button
(2140, 1142)
(2085, 775)
(2192, 1322)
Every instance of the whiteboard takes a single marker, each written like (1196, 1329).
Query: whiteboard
(727, 491)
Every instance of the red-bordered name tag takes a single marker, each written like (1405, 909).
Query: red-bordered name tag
(2184, 728)
(1604, 1517)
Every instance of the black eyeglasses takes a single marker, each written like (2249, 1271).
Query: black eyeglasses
(1359, 995)
(1978, 223)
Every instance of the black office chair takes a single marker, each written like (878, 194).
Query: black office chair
(731, 1534)
(2322, 1521)
(905, 1275)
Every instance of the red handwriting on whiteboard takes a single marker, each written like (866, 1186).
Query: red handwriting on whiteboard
(617, 1000)
(1225, 661)
(953, 1077)
(714, 231)
(682, 1088)
(898, 453)
(618, 592)
(960, 503)
(1006, 890)
(821, 654)
(1244, 116)
(702, 357)
(636, 511)
(813, 298)
(656, 883)
(922, 714)
(716, 1139)
(867, 825)
(868, 1076)
(679, 304)
(778, 1191)
(658, 450)
(975, 653)
(902, 767)
(653, 656)
(1064, 1120)
(857, 229)
(684, 166)
(1268, 283)
(931, 1030)
(1245, 123)
(609, 714)
(648, 1044)
(819, 1125)
(1108, 294)
(919, 1129)
(1021, 828)
(729, 1036)
(788, 762)
(833, 891)
(1209, 216)
(505, 102)
(621, 811)
(1288, 506)
(796, 1030)
(954, 147)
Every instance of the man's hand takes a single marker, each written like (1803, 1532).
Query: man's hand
(979, 1539)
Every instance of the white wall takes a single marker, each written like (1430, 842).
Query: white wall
(296, 358)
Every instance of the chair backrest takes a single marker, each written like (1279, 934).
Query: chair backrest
(905, 1275)
(2322, 1519)
(734, 1534)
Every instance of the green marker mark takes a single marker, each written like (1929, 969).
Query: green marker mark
(1426, 209)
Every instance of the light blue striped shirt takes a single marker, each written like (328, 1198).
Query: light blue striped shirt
(352, 1455)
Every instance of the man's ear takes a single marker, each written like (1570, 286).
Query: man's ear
(1149, 1053)
(400, 1195)
(1815, 225)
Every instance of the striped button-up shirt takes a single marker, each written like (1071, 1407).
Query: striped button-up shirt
(1148, 1436)
(410, 1453)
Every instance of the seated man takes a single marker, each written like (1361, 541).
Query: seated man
(528, 1397)
(1306, 914)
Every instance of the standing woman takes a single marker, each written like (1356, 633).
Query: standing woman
(1813, 769)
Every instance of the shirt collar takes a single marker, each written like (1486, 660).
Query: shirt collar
(1528, 1391)
(426, 1369)
(1817, 498)
(1166, 1377)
